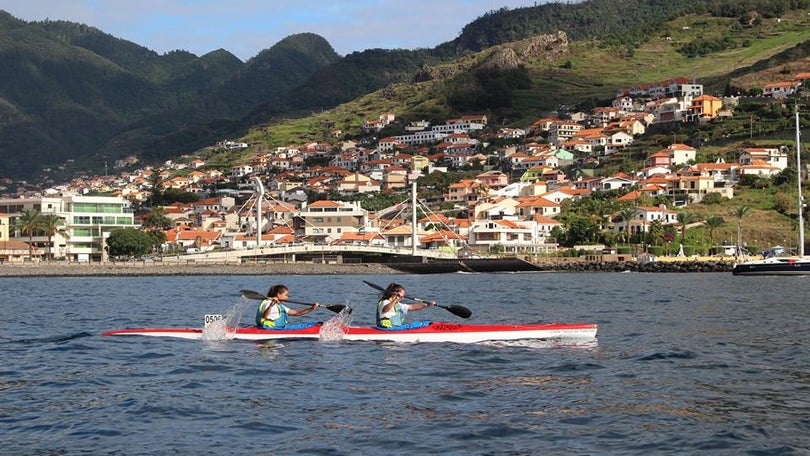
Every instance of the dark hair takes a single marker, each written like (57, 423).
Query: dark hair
(391, 290)
(275, 290)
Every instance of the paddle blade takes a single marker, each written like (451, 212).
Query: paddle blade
(253, 295)
(338, 308)
(459, 311)
(377, 287)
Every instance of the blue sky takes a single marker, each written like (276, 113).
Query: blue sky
(245, 27)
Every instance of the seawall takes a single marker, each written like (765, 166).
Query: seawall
(301, 268)
(633, 266)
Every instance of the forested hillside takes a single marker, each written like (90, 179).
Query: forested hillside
(71, 91)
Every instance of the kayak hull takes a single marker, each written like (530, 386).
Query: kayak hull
(251, 333)
(434, 332)
(469, 333)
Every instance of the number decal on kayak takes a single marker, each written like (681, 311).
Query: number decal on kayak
(209, 319)
(445, 326)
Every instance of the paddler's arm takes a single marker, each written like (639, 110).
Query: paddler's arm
(266, 312)
(299, 312)
(391, 303)
(421, 306)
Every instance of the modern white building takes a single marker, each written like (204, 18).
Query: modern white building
(326, 221)
(88, 221)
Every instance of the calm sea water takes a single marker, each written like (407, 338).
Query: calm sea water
(684, 364)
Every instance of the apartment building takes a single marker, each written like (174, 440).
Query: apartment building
(326, 221)
(88, 221)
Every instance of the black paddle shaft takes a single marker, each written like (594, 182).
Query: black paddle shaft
(337, 308)
(459, 311)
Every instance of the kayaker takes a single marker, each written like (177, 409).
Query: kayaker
(391, 311)
(272, 314)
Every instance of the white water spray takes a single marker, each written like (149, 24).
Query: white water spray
(334, 328)
(225, 329)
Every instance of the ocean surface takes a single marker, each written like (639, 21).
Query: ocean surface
(703, 364)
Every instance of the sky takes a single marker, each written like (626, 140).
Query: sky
(246, 27)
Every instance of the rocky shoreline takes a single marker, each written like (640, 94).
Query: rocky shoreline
(168, 269)
(633, 266)
(301, 268)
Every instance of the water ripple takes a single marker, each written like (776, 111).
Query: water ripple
(699, 364)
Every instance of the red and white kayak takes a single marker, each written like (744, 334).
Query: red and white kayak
(247, 333)
(471, 333)
(434, 332)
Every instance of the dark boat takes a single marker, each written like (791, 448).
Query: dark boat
(465, 265)
(773, 266)
(774, 261)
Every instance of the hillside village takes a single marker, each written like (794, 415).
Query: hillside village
(510, 207)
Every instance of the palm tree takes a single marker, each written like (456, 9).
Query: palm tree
(712, 223)
(656, 231)
(52, 225)
(626, 215)
(741, 212)
(27, 223)
(685, 218)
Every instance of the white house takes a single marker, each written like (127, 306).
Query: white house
(772, 156)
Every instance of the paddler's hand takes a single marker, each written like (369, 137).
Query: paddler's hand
(315, 305)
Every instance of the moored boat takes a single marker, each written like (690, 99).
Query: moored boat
(433, 332)
(774, 261)
(774, 265)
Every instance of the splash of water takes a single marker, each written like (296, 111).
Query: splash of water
(225, 329)
(333, 329)
(217, 330)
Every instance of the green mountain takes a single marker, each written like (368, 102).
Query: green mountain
(72, 92)
(517, 82)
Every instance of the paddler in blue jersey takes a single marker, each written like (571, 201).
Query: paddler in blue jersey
(272, 314)
(390, 311)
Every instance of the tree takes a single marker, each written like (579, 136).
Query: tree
(626, 215)
(656, 232)
(685, 218)
(157, 220)
(712, 223)
(28, 222)
(128, 242)
(669, 235)
(155, 224)
(581, 230)
(156, 238)
(52, 225)
(740, 213)
(156, 184)
(171, 195)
